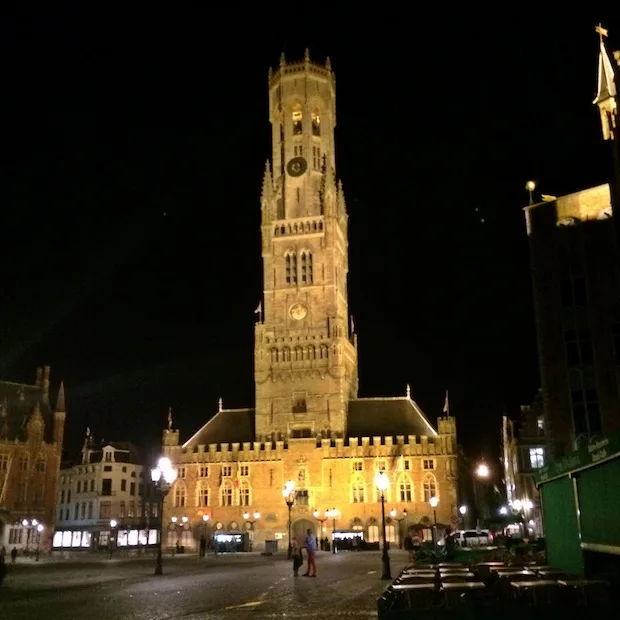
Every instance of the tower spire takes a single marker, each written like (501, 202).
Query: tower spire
(60, 399)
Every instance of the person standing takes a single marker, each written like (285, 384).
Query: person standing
(298, 558)
(311, 550)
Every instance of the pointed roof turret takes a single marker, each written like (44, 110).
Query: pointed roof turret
(60, 399)
(307, 55)
(606, 82)
(267, 183)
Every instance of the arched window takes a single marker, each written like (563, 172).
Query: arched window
(298, 124)
(226, 493)
(290, 265)
(306, 267)
(244, 494)
(390, 532)
(316, 122)
(311, 352)
(286, 354)
(429, 487)
(324, 352)
(373, 533)
(274, 355)
(358, 490)
(180, 495)
(203, 494)
(299, 354)
(405, 489)
(40, 463)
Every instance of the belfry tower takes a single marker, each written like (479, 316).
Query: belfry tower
(305, 351)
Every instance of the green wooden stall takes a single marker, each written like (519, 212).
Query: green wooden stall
(580, 498)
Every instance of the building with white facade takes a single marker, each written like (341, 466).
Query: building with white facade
(101, 500)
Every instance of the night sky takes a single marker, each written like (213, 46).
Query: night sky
(133, 149)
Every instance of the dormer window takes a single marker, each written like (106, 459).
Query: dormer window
(107, 456)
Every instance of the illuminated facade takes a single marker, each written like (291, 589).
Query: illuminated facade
(101, 501)
(308, 424)
(31, 439)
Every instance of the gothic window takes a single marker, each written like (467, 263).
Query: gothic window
(298, 150)
(179, 495)
(358, 490)
(23, 462)
(226, 494)
(244, 494)
(405, 489)
(286, 354)
(311, 352)
(203, 495)
(429, 486)
(316, 157)
(290, 262)
(316, 122)
(297, 120)
(323, 352)
(274, 355)
(306, 267)
(40, 464)
(299, 403)
(299, 354)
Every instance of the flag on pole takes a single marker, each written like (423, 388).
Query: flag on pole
(259, 308)
(446, 405)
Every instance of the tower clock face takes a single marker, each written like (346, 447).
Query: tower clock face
(298, 311)
(296, 167)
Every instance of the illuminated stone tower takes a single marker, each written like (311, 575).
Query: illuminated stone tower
(305, 351)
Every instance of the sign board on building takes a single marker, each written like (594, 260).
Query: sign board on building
(596, 450)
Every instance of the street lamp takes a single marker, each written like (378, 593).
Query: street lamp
(163, 476)
(246, 516)
(434, 502)
(393, 514)
(317, 516)
(463, 512)
(333, 515)
(112, 543)
(31, 526)
(530, 186)
(40, 529)
(288, 492)
(382, 483)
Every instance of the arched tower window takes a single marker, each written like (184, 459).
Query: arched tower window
(298, 125)
(274, 355)
(429, 487)
(286, 354)
(226, 493)
(358, 490)
(299, 354)
(306, 267)
(290, 265)
(316, 122)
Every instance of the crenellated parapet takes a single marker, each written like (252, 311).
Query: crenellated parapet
(330, 448)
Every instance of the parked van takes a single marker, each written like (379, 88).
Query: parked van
(471, 538)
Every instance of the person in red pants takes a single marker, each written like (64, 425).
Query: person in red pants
(310, 546)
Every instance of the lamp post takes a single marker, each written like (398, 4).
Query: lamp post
(288, 492)
(163, 476)
(31, 526)
(112, 543)
(382, 483)
(463, 512)
(482, 472)
(434, 502)
(40, 529)
(246, 516)
(530, 186)
(317, 516)
(333, 515)
(393, 514)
